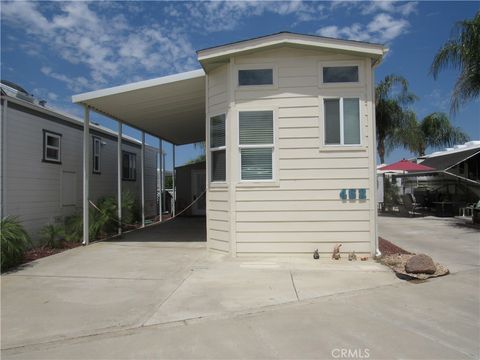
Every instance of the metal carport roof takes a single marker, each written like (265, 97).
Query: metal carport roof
(170, 107)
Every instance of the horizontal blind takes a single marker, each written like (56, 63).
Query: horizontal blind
(256, 127)
(217, 131)
(256, 164)
(218, 165)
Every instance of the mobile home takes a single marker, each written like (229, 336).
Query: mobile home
(289, 125)
(42, 163)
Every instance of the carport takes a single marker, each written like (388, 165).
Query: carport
(171, 108)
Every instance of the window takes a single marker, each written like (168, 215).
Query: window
(217, 148)
(340, 74)
(256, 145)
(342, 121)
(51, 146)
(97, 143)
(129, 166)
(255, 77)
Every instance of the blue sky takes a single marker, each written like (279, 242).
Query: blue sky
(56, 49)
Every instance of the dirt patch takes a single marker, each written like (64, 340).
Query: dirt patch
(38, 253)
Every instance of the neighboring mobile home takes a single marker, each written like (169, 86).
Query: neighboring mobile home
(42, 163)
(290, 138)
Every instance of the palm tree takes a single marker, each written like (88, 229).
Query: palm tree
(462, 52)
(435, 130)
(392, 98)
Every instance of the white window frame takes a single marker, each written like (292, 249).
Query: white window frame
(46, 135)
(342, 135)
(257, 67)
(257, 146)
(96, 139)
(341, 63)
(218, 148)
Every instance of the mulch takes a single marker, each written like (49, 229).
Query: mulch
(395, 258)
(388, 248)
(41, 252)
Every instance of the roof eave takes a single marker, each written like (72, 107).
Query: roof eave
(375, 51)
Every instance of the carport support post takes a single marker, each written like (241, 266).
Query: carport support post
(160, 178)
(142, 160)
(86, 172)
(173, 184)
(119, 176)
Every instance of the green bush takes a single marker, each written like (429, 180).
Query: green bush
(104, 220)
(14, 242)
(52, 235)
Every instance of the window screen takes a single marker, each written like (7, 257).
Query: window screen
(351, 121)
(340, 74)
(217, 148)
(342, 121)
(332, 121)
(255, 77)
(129, 166)
(218, 165)
(256, 127)
(256, 145)
(51, 146)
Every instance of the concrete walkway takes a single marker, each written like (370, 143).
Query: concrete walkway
(131, 299)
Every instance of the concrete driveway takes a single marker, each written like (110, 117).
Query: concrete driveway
(133, 299)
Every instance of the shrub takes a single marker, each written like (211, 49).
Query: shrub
(104, 220)
(52, 235)
(14, 242)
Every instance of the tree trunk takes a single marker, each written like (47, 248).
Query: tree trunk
(381, 150)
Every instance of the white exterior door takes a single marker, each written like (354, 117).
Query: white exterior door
(198, 187)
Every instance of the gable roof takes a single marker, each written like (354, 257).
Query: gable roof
(218, 53)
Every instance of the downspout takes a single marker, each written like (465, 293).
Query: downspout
(119, 176)
(375, 184)
(86, 172)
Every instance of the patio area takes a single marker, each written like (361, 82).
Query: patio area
(140, 297)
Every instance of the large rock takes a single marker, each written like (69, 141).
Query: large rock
(420, 264)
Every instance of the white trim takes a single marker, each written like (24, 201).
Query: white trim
(260, 66)
(375, 50)
(80, 98)
(209, 150)
(361, 73)
(273, 146)
(58, 148)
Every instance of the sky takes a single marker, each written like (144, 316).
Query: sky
(57, 49)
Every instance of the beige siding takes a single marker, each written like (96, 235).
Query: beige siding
(33, 188)
(302, 210)
(218, 202)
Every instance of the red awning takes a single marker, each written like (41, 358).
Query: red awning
(405, 165)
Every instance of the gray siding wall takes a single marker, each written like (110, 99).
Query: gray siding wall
(39, 192)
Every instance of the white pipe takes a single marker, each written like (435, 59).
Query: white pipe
(3, 121)
(142, 160)
(173, 184)
(160, 180)
(119, 176)
(86, 172)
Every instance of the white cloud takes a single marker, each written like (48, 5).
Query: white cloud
(109, 47)
(399, 7)
(216, 16)
(383, 28)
